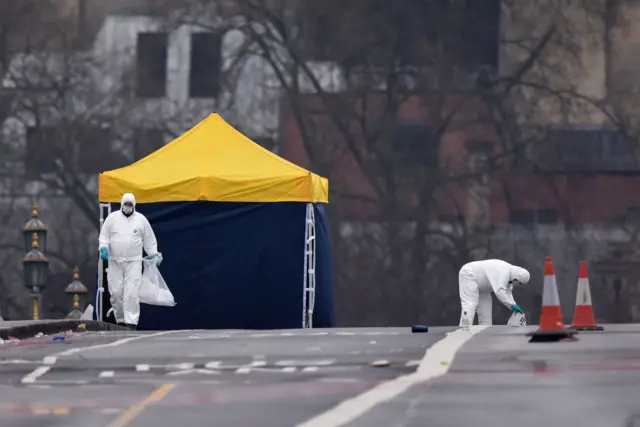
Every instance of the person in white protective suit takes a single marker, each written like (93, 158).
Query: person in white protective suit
(123, 236)
(478, 279)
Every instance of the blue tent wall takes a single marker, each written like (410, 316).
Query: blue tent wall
(237, 265)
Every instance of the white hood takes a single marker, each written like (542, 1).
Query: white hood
(128, 197)
(520, 274)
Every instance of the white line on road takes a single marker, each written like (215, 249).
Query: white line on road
(113, 344)
(107, 374)
(49, 361)
(289, 369)
(142, 368)
(310, 369)
(411, 363)
(18, 362)
(436, 362)
(33, 376)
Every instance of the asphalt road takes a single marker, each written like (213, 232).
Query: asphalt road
(499, 379)
(198, 378)
(323, 378)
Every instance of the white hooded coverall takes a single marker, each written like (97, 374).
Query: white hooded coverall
(125, 237)
(478, 279)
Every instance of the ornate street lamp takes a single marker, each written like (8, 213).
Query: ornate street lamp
(35, 225)
(36, 268)
(78, 290)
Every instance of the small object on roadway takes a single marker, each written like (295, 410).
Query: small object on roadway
(419, 329)
(381, 363)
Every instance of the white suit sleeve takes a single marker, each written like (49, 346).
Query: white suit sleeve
(103, 240)
(499, 280)
(510, 293)
(149, 239)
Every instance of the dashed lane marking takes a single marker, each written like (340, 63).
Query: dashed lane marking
(31, 377)
(106, 374)
(50, 361)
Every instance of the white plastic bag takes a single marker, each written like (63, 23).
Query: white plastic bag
(153, 289)
(88, 313)
(517, 319)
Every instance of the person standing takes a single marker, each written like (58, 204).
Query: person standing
(125, 233)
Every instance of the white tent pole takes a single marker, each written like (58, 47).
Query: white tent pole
(100, 290)
(304, 274)
(309, 279)
(312, 264)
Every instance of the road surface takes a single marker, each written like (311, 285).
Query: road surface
(322, 378)
(197, 378)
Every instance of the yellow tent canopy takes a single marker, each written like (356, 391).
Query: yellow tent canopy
(213, 162)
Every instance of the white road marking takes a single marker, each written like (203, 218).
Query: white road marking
(411, 363)
(142, 368)
(310, 369)
(436, 362)
(113, 344)
(243, 370)
(339, 380)
(345, 333)
(19, 362)
(193, 371)
(304, 362)
(49, 361)
(217, 364)
(180, 366)
(106, 374)
(289, 369)
(37, 373)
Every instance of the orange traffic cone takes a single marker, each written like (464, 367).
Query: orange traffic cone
(551, 325)
(583, 318)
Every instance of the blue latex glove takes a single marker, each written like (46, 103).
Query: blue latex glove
(104, 254)
(516, 308)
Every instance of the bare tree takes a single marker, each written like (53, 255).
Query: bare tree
(406, 217)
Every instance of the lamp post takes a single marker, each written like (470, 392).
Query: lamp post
(35, 225)
(36, 267)
(76, 288)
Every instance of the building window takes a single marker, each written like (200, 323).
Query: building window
(533, 216)
(41, 151)
(151, 76)
(95, 154)
(415, 143)
(205, 67)
(587, 151)
(146, 142)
